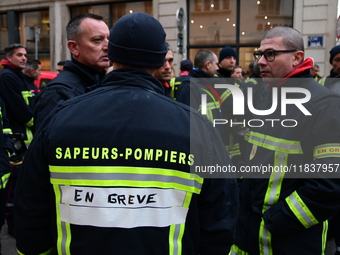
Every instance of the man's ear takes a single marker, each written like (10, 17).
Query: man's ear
(298, 57)
(206, 65)
(8, 57)
(73, 47)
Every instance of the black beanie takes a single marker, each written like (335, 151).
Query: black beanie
(138, 39)
(227, 51)
(186, 65)
(335, 50)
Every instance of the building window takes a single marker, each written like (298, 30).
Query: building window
(112, 12)
(225, 4)
(29, 21)
(211, 5)
(269, 7)
(212, 22)
(121, 9)
(214, 25)
(102, 10)
(3, 32)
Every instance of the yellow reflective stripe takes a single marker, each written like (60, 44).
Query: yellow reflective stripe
(265, 240)
(322, 81)
(30, 123)
(234, 149)
(26, 95)
(301, 211)
(44, 253)
(275, 182)
(175, 239)
(274, 143)
(324, 235)
(237, 251)
(63, 228)
(177, 231)
(271, 197)
(29, 135)
(327, 150)
(125, 176)
(209, 93)
(4, 180)
(227, 93)
(7, 131)
(252, 80)
(210, 107)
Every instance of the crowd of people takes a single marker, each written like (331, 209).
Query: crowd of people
(107, 162)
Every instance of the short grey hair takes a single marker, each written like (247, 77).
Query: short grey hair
(74, 28)
(203, 56)
(292, 39)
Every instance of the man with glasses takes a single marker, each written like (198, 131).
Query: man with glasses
(286, 211)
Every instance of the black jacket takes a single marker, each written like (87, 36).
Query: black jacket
(285, 210)
(224, 73)
(6, 146)
(19, 100)
(116, 161)
(72, 81)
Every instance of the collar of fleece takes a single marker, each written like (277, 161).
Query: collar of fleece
(165, 84)
(5, 62)
(307, 64)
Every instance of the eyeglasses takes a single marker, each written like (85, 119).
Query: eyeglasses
(269, 55)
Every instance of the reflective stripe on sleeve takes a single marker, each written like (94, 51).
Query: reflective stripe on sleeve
(324, 236)
(327, 150)
(275, 144)
(237, 251)
(44, 253)
(271, 197)
(26, 95)
(227, 93)
(7, 131)
(4, 180)
(30, 123)
(300, 210)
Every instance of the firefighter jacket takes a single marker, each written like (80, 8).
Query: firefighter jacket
(31, 86)
(19, 100)
(6, 146)
(332, 81)
(190, 93)
(110, 174)
(72, 81)
(175, 82)
(223, 73)
(295, 188)
(234, 140)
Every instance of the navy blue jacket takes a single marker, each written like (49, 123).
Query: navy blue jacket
(286, 211)
(19, 100)
(112, 170)
(71, 82)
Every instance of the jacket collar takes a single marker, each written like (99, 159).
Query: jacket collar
(307, 64)
(197, 73)
(133, 77)
(5, 62)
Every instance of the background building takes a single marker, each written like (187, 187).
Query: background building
(193, 24)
